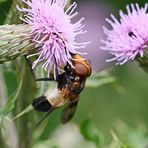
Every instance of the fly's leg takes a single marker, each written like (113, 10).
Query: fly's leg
(57, 74)
(33, 73)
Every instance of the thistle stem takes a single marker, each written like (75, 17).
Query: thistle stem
(26, 95)
(2, 142)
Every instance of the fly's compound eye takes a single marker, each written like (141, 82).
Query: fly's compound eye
(68, 68)
(81, 66)
(82, 70)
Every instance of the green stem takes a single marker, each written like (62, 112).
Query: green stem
(25, 97)
(2, 141)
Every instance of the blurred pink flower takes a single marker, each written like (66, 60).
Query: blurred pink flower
(53, 32)
(94, 13)
(129, 36)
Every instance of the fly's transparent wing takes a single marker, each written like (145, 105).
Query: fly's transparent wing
(69, 111)
(44, 117)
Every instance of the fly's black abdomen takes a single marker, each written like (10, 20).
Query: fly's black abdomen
(41, 104)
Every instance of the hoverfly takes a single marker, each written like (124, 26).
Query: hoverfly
(69, 86)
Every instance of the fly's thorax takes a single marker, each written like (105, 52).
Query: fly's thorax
(65, 79)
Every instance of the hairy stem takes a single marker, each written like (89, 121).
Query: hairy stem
(14, 42)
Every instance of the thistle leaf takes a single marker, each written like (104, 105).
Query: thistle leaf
(7, 108)
(26, 110)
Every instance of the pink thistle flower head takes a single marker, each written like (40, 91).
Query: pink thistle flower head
(53, 31)
(128, 37)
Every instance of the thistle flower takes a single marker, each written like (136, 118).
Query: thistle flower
(128, 38)
(53, 32)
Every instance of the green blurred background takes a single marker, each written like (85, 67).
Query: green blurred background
(107, 106)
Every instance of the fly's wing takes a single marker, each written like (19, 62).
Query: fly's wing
(41, 104)
(44, 117)
(69, 111)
